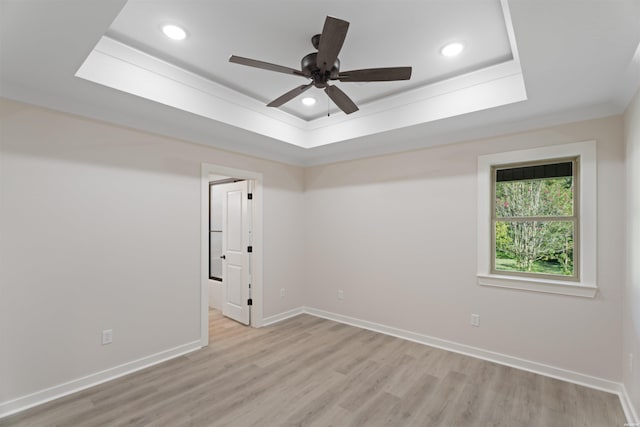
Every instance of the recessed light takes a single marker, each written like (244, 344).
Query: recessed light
(308, 101)
(452, 49)
(174, 32)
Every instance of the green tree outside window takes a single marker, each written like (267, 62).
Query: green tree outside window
(535, 223)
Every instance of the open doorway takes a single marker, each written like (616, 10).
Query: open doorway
(231, 270)
(230, 249)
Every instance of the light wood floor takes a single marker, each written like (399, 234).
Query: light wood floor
(311, 371)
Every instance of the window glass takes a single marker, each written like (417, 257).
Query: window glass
(535, 197)
(535, 219)
(545, 247)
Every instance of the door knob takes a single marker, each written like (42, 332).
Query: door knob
(223, 257)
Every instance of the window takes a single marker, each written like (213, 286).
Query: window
(537, 219)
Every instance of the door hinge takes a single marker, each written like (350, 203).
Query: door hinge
(250, 301)
(249, 248)
(250, 196)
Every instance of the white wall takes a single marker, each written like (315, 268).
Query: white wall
(631, 305)
(215, 294)
(398, 234)
(100, 228)
(215, 287)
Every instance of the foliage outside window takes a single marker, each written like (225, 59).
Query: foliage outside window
(535, 219)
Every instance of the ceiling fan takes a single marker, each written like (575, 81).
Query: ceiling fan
(324, 65)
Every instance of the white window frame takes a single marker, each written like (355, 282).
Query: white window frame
(587, 199)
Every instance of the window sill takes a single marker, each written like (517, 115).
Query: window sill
(538, 285)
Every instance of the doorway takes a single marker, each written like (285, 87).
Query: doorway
(230, 249)
(234, 256)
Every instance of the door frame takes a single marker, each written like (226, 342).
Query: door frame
(208, 169)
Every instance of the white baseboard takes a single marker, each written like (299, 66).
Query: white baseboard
(503, 359)
(266, 321)
(25, 402)
(627, 407)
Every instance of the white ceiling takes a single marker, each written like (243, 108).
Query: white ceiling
(577, 60)
(135, 58)
(381, 34)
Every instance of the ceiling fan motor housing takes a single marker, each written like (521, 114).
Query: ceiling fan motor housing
(310, 68)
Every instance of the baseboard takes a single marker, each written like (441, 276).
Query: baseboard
(627, 406)
(25, 402)
(503, 359)
(43, 396)
(266, 321)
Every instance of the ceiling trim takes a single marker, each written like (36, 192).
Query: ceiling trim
(479, 90)
(566, 81)
(119, 66)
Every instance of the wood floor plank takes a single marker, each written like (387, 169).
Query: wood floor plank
(434, 411)
(402, 382)
(420, 390)
(333, 416)
(377, 410)
(308, 371)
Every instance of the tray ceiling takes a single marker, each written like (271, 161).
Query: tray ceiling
(195, 75)
(578, 60)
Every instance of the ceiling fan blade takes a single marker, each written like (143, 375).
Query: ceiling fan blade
(264, 65)
(333, 34)
(289, 96)
(341, 99)
(376, 75)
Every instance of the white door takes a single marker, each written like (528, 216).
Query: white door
(235, 262)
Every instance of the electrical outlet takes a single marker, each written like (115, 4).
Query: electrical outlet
(475, 320)
(282, 293)
(630, 362)
(340, 294)
(107, 336)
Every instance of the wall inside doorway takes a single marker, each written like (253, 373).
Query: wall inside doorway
(215, 248)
